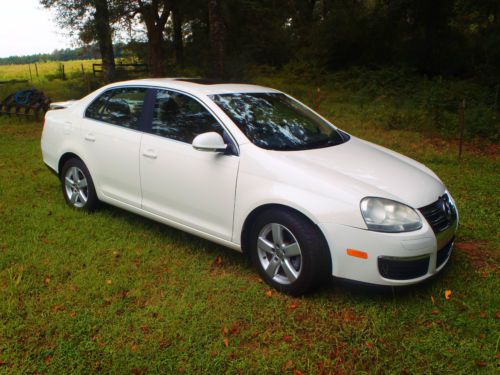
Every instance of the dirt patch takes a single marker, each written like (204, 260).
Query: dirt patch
(474, 147)
(482, 258)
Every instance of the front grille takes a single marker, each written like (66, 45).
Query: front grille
(444, 253)
(403, 269)
(440, 215)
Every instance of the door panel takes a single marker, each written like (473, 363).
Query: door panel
(112, 155)
(111, 135)
(191, 187)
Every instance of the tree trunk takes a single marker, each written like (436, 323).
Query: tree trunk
(217, 37)
(155, 25)
(178, 43)
(156, 52)
(104, 39)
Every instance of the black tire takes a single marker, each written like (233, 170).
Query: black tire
(83, 177)
(315, 265)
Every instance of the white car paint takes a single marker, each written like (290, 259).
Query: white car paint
(211, 194)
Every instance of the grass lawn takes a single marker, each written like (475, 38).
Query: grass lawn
(114, 292)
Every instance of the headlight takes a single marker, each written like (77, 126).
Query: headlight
(385, 215)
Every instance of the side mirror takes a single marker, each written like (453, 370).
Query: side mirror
(210, 141)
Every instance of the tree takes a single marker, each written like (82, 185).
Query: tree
(91, 20)
(217, 37)
(177, 26)
(155, 15)
(104, 37)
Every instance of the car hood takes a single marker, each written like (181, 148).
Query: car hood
(356, 169)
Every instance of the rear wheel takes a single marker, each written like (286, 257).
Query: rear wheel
(77, 185)
(289, 251)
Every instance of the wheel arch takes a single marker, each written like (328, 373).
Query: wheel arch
(64, 158)
(252, 216)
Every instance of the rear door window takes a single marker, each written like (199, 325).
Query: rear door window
(121, 106)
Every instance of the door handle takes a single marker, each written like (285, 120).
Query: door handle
(90, 137)
(149, 154)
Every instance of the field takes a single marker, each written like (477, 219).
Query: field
(116, 293)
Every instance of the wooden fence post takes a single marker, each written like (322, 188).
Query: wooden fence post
(462, 127)
(31, 77)
(495, 107)
(318, 99)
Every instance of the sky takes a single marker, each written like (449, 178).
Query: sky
(27, 28)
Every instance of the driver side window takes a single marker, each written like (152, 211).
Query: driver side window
(180, 117)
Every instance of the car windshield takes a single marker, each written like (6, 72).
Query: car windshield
(276, 122)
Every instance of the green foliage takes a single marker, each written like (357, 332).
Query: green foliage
(396, 98)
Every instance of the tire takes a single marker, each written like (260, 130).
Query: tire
(77, 186)
(289, 251)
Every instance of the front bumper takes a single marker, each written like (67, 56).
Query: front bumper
(392, 258)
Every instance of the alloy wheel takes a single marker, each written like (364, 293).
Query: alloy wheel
(76, 187)
(279, 253)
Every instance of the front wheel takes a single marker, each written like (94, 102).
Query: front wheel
(289, 252)
(77, 185)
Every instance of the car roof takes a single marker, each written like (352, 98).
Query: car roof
(196, 85)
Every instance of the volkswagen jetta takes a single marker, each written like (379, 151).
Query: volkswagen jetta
(255, 170)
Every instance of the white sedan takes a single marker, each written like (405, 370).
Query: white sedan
(255, 170)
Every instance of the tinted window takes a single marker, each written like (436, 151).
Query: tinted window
(276, 122)
(119, 107)
(180, 117)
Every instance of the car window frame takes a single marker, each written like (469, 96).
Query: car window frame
(142, 118)
(149, 119)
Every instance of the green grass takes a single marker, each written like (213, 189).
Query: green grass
(113, 292)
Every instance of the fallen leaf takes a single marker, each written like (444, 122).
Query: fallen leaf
(287, 338)
(498, 355)
(293, 306)
(225, 330)
(297, 372)
(234, 331)
(226, 342)
(218, 260)
(288, 364)
(482, 314)
(435, 312)
(447, 294)
(72, 314)
(370, 344)
(433, 300)
(269, 293)
(497, 315)
(3, 363)
(133, 348)
(47, 281)
(109, 282)
(48, 359)
(481, 363)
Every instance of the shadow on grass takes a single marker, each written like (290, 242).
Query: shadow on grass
(170, 233)
(331, 289)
